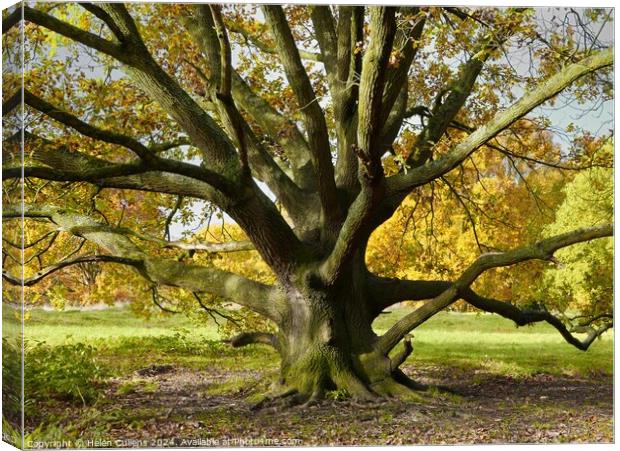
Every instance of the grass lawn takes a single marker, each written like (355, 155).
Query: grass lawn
(496, 344)
(455, 339)
(85, 378)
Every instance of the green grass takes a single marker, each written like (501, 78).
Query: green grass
(114, 343)
(488, 342)
(136, 385)
(492, 343)
(56, 327)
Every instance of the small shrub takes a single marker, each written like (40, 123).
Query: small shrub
(67, 372)
(11, 380)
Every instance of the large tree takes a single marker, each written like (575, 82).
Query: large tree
(308, 127)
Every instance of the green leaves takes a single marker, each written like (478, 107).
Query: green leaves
(582, 280)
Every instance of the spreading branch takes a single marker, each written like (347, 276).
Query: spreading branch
(523, 317)
(325, 33)
(405, 182)
(406, 45)
(248, 338)
(354, 229)
(312, 113)
(234, 122)
(201, 25)
(281, 128)
(350, 33)
(261, 298)
(209, 247)
(267, 47)
(374, 67)
(149, 159)
(50, 269)
(542, 250)
(86, 38)
(59, 163)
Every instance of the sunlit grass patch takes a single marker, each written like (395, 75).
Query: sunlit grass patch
(125, 343)
(493, 343)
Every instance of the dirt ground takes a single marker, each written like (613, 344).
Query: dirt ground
(182, 407)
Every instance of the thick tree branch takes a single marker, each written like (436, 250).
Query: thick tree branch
(217, 149)
(385, 291)
(12, 19)
(83, 37)
(334, 40)
(257, 216)
(451, 98)
(374, 67)
(542, 250)
(163, 182)
(249, 338)
(355, 227)
(225, 83)
(105, 17)
(247, 205)
(405, 182)
(162, 147)
(63, 164)
(325, 34)
(11, 103)
(406, 45)
(231, 246)
(150, 161)
(203, 130)
(312, 113)
(234, 122)
(94, 175)
(85, 129)
(524, 317)
(350, 35)
(202, 27)
(280, 128)
(353, 234)
(261, 298)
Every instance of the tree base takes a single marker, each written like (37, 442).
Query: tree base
(327, 374)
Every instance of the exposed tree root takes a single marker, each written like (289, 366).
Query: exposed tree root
(389, 388)
(405, 380)
(317, 396)
(400, 357)
(309, 375)
(395, 387)
(273, 398)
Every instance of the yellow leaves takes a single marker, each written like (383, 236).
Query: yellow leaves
(431, 236)
(395, 59)
(57, 296)
(359, 47)
(245, 263)
(52, 42)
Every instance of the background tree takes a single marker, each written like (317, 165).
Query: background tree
(308, 127)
